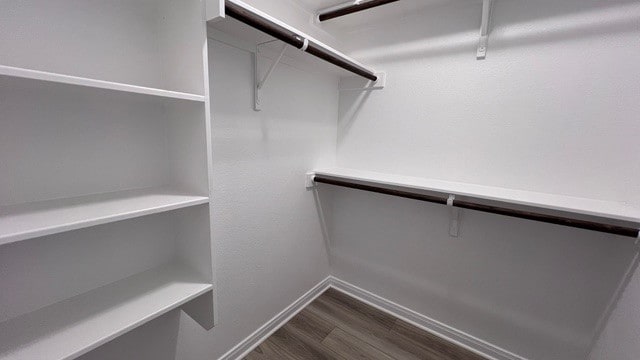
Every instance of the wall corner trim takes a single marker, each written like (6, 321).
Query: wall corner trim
(460, 338)
(435, 327)
(262, 333)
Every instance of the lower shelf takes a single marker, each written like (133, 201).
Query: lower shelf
(75, 326)
(598, 215)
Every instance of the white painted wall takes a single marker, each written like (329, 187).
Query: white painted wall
(620, 339)
(552, 109)
(268, 241)
(556, 99)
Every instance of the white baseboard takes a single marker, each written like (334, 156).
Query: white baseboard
(455, 336)
(435, 327)
(252, 341)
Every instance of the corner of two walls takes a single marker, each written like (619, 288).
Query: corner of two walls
(268, 241)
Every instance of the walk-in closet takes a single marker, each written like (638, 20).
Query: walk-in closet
(319, 179)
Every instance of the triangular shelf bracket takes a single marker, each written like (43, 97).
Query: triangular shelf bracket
(200, 310)
(481, 54)
(260, 82)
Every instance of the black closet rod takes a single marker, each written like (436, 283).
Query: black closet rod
(350, 9)
(265, 25)
(558, 220)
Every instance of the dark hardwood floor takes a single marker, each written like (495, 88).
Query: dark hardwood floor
(337, 326)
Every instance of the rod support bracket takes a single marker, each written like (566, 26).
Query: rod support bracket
(352, 83)
(309, 180)
(454, 217)
(481, 54)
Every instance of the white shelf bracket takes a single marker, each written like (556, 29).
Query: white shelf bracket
(484, 29)
(259, 83)
(454, 217)
(200, 310)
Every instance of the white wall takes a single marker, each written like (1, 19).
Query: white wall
(553, 108)
(268, 241)
(620, 339)
(556, 98)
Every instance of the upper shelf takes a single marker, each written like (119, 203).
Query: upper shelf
(29, 220)
(156, 44)
(260, 28)
(576, 205)
(8, 71)
(73, 327)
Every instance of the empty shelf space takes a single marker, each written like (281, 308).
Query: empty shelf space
(77, 325)
(610, 210)
(8, 71)
(29, 220)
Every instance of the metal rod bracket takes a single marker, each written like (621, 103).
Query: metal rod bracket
(309, 180)
(454, 217)
(481, 54)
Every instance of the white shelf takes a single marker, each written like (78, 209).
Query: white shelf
(29, 220)
(73, 327)
(14, 72)
(583, 206)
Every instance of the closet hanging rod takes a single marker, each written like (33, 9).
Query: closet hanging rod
(466, 204)
(292, 38)
(353, 7)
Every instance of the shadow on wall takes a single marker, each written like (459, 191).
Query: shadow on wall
(454, 28)
(539, 290)
(161, 332)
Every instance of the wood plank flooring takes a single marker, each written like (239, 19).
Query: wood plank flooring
(337, 326)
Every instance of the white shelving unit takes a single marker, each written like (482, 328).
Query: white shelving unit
(105, 163)
(581, 206)
(26, 74)
(25, 221)
(73, 327)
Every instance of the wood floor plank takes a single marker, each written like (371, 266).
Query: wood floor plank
(447, 350)
(337, 326)
(379, 316)
(269, 351)
(363, 316)
(313, 325)
(371, 332)
(352, 347)
(301, 346)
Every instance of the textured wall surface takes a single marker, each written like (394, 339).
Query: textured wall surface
(553, 108)
(268, 241)
(620, 339)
